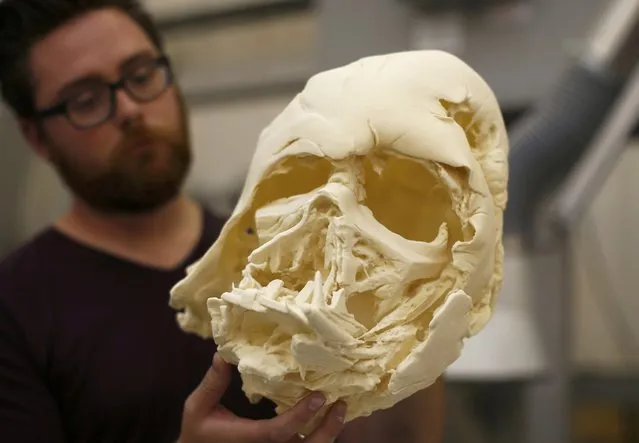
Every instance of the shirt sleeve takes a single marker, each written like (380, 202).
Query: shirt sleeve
(28, 411)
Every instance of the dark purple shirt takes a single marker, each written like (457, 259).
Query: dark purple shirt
(90, 350)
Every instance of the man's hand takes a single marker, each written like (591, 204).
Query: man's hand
(206, 421)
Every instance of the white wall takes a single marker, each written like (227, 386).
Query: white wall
(240, 55)
(224, 139)
(606, 298)
(171, 8)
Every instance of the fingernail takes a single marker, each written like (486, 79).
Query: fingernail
(217, 363)
(316, 401)
(340, 412)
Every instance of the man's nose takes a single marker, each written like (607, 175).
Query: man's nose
(126, 108)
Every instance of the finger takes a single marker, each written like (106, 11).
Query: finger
(210, 390)
(331, 426)
(287, 425)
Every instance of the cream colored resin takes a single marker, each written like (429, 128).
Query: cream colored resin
(367, 242)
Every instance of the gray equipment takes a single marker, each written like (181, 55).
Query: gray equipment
(570, 143)
(549, 141)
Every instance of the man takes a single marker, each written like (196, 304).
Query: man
(89, 349)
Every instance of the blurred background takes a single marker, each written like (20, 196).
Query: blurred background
(560, 360)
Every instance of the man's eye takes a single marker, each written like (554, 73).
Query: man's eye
(86, 100)
(142, 75)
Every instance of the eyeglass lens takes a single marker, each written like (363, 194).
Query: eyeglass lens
(96, 104)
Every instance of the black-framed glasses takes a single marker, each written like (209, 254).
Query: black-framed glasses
(96, 103)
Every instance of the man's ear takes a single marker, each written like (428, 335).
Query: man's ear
(35, 136)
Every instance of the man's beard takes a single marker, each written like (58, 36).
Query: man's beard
(131, 183)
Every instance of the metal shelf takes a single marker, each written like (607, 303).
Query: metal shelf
(275, 88)
(250, 11)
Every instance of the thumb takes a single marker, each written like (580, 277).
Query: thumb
(211, 389)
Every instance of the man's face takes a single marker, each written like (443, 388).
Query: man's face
(137, 160)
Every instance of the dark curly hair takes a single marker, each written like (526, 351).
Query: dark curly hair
(24, 22)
